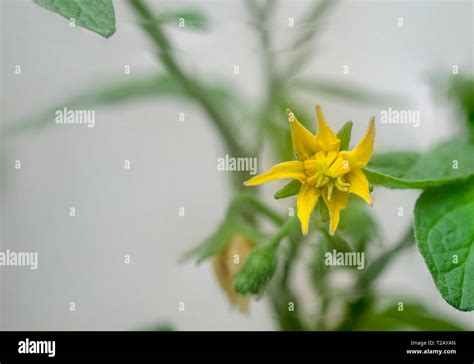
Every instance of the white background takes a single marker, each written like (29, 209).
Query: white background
(174, 164)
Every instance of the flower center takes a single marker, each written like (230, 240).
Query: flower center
(327, 170)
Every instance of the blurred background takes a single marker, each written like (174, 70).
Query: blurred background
(173, 162)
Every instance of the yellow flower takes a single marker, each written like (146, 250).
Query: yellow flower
(323, 169)
(226, 265)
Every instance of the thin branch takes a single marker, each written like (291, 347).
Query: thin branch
(152, 27)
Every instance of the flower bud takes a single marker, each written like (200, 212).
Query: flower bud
(226, 265)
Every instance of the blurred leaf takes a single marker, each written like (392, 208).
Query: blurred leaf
(245, 200)
(215, 243)
(95, 15)
(414, 316)
(290, 189)
(344, 135)
(344, 91)
(461, 91)
(118, 93)
(234, 223)
(378, 265)
(318, 268)
(444, 232)
(249, 231)
(310, 23)
(161, 327)
(339, 243)
(221, 237)
(288, 320)
(193, 18)
(358, 223)
(447, 162)
(257, 271)
(355, 312)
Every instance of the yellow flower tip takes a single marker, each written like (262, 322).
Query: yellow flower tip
(249, 183)
(290, 114)
(371, 128)
(369, 201)
(304, 230)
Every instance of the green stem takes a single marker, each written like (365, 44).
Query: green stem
(284, 230)
(281, 294)
(376, 268)
(152, 27)
(357, 308)
(295, 238)
(246, 198)
(324, 305)
(272, 79)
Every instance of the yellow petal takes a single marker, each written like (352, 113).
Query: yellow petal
(291, 169)
(338, 168)
(360, 155)
(306, 202)
(304, 142)
(326, 140)
(359, 185)
(337, 202)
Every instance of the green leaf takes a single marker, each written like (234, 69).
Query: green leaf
(444, 232)
(109, 94)
(344, 135)
(191, 18)
(414, 316)
(150, 86)
(448, 162)
(257, 271)
(290, 189)
(95, 15)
